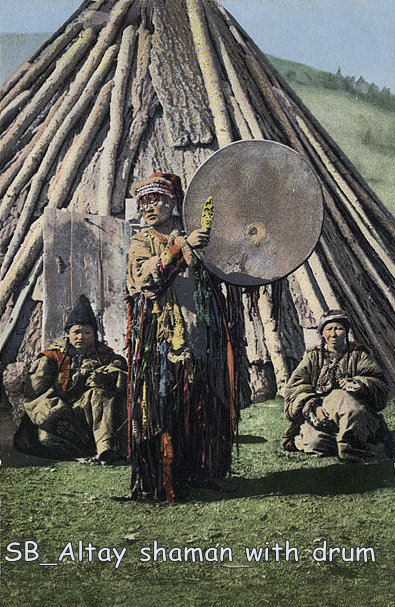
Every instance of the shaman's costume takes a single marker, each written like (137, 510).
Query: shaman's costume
(75, 401)
(353, 429)
(185, 383)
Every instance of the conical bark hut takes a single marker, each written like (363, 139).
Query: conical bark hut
(128, 87)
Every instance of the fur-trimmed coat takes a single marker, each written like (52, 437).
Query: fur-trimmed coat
(318, 374)
(67, 400)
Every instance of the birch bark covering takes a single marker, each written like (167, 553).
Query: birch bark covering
(109, 155)
(209, 68)
(129, 87)
(178, 83)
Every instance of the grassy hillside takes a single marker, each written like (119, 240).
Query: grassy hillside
(364, 130)
(15, 49)
(365, 133)
(359, 88)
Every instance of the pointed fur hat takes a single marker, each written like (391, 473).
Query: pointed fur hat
(81, 314)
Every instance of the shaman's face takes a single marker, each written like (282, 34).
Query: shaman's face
(156, 209)
(334, 335)
(82, 336)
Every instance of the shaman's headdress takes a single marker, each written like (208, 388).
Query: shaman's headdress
(161, 183)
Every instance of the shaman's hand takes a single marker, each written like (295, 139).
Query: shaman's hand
(198, 239)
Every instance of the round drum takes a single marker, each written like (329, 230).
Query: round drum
(268, 211)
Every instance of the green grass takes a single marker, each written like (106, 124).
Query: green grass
(365, 133)
(281, 496)
(364, 130)
(360, 88)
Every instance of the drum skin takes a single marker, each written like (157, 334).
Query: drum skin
(268, 211)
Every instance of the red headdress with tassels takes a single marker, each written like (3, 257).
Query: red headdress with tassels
(163, 183)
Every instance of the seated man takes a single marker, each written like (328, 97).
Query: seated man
(333, 397)
(75, 398)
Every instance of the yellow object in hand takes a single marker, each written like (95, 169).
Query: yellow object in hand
(207, 213)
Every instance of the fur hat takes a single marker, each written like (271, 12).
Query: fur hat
(333, 316)
(81, 314)
(162, 183)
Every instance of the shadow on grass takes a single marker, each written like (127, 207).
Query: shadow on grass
(248, 439)
(335, 479)
(11, 458)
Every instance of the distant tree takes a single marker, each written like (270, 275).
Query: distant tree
(387, 100)
(362, 86)
(338, 79)
(359, 88)
(349, 83)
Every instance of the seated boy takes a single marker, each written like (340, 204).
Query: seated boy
(75, 398)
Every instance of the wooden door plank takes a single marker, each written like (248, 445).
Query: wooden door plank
(85, 254)
(56, 275)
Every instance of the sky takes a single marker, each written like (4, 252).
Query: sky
(357, 35)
